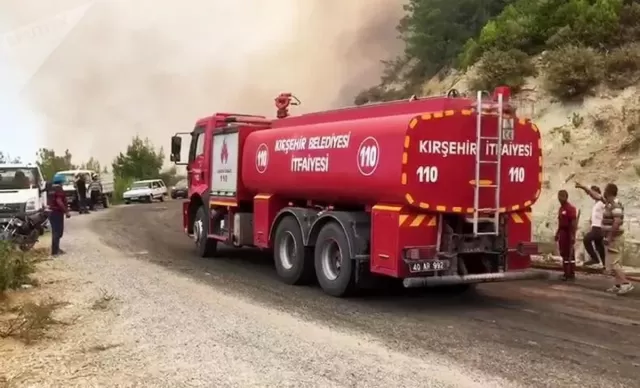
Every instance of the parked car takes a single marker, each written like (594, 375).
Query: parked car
(145, 191)
(180, 190)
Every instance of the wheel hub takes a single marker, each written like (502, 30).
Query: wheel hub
(331, 260)
(288, 249)
(197, 230)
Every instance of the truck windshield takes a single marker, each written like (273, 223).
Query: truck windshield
(68, 178)
(17, 178)
(141, 185)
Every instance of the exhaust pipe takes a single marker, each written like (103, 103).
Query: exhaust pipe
(474, 278)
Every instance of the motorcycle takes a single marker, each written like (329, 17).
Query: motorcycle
(24, 230)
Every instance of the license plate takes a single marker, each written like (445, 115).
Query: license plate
(429, 266)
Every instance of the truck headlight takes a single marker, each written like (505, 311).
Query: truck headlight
(32, 205)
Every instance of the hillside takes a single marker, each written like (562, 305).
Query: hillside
(575, 68)
(587, 140)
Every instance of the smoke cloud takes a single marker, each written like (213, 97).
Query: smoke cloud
(152, 67)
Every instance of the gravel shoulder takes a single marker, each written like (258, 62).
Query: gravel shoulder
(535, 333)
(131, 323)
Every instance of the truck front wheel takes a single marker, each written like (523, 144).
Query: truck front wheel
(294, 264)
(205, 247)
(334, 266)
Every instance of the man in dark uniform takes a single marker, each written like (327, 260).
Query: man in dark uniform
(566, 234)
(81, 187)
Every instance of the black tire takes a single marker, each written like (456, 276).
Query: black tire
(127, 202)
(332, 237)
(204, 246)
(150, 199)
(294, 262)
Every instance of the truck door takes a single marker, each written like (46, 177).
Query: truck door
(197, 166)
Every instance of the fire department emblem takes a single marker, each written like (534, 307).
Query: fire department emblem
(224, 153)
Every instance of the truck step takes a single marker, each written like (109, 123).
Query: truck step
(486, 234)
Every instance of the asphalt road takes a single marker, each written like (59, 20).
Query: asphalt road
(535, 333)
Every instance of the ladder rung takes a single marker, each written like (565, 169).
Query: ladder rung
(487, 209)
(488, 186)
(486, 233)
(488, 161)
(489, 137)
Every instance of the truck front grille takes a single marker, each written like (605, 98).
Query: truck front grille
(11, 208)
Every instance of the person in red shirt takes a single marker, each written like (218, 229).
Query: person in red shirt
(58, 206)
(566, 234)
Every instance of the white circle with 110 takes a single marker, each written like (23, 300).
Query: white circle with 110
(368, 156)
(262, 158)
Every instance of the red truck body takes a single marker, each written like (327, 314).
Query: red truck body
(352, 194)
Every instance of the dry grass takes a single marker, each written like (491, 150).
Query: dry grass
(29, 322)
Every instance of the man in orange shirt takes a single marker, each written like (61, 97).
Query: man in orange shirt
(566, 234)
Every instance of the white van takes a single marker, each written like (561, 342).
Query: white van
(145, 191)
(22, 190)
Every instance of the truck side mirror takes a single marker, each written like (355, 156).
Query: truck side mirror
(176, 145)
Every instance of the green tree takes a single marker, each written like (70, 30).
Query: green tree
(50, 163)
(140, 161)
(91, 164)
(435, 31)
(170, 176)
(534, 26)
(6, 158)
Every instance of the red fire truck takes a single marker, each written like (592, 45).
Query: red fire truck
(431, 190)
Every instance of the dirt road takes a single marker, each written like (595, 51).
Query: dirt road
(172, 319)
(535, 333)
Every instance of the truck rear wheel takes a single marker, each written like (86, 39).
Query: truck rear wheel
(294, 264)
(205, 247)
(334, 266)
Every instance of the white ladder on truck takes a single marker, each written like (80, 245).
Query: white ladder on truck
(494, 211)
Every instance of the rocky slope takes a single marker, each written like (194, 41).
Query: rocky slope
(594, 141)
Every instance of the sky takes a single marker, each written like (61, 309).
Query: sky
(88, 76)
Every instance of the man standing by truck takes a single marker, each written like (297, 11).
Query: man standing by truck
(59, 210)
(95, 191)
(566, 234)
(81, 187)
(612, 220)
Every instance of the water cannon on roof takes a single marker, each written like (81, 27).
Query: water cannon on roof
(283, 101)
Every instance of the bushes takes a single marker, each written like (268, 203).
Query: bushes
(533, 26)
(502, 68)
(622, 66)
(119, 187)
(15, 267)
(572, 71)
